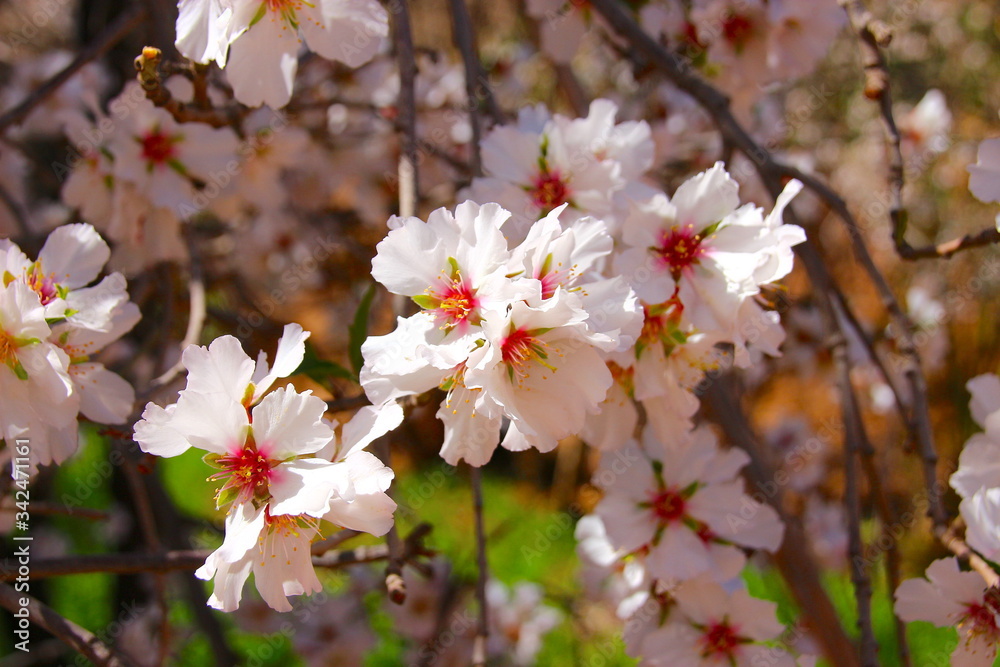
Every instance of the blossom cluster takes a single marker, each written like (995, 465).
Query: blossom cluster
(52, 323)
(283, 472)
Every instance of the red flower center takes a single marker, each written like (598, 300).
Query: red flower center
(246, 473)
(669, 505)
(43, 285)
(737, 30)
(519, 349)
(157, 147)
(549, 191)
(678, 249)
(457, 302)
(720, 639)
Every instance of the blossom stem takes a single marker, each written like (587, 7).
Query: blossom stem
(402, 39)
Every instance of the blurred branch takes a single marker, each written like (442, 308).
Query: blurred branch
(793, 558)
(196, 317)
(79, 639)
(402, 39)
(957, 546)
(483, 629)
(167, 561)
(855, 439)
(147, 66)
(113, 34)
(873, 37)
(347, 403)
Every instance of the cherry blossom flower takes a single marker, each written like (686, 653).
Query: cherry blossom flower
(984, 176)
(950, 597)
(79, 321)
(258, 41)
(281, 469)
(708, 626)
(519, 620)
(161, 157)
(682, 504)
(544, 162)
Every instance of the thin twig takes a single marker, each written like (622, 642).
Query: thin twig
(150, 535)
(957, 546)
(465, 39)
(347, 403)
(187, 560)
(854, 435)
(402, 39)
(483, 628)
(111, 35)
(196, 314)
(79, 639)
(16, 212)
(147, 66)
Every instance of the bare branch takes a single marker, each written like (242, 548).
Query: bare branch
(79, 639)
(111, 35)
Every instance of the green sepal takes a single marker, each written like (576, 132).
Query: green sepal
(425, 301)
(212, 459)
(259, 15)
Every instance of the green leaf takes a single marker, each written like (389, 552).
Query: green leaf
(323, 370)
(358, 331)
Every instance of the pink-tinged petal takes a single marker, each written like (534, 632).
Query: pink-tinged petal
(291, 351)
(985, 390)
(981, 513)
(221, 368)
(371, 509)
(262, 63)
(629, 527)
(469, 435)
(75, 254)
(230, 578)
(680, 554)
(305, 486)
(213, 422)
(978, 466)
(974, 650)
(921, 600)
(287, 424)
(984, 176)
(244, 524)
(368, 424)
(105, 397)
(753, 618)
(703, 601)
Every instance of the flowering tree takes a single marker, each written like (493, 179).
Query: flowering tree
(601, 367)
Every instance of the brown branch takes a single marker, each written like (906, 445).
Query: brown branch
(483, 628)
(950, 539)
(147, 66)
(793, 558)
(855, 439)
(79, 639)
(110, 36)
(406, 62)
(465, 39)
(873, 37)
(168, 561)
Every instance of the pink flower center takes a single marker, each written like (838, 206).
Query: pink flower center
(44, 286)
(737, 30)
(549, 191)
(246, 473)
(983, 619)
(457, 303)
(720, 640)
(157, 147)
(678, 249)
(519, 350)
(668, 505)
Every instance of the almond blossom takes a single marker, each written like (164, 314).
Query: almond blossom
(544, 162)
(950, 597)
(257, 42)
(76, 322)
(706, 625)
(274, 477)
(681, 504)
